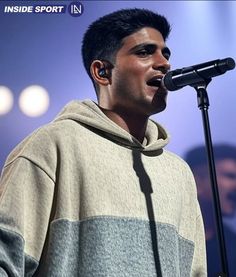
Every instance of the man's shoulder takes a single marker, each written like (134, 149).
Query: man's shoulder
(178, 163)
(47, 140)
(175, 158)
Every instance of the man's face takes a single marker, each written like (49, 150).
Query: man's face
(142, 57)
(226, 179)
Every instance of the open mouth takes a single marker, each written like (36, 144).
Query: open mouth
(155, 82)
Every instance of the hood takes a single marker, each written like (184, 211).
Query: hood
(88, 113)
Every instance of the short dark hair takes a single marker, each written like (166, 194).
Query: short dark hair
(197, 156)
(104, 36)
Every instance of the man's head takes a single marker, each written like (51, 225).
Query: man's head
(225, 162)
(106, 37)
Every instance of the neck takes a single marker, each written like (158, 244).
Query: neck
(130, 122)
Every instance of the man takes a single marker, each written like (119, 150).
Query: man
(225, 163)
(94, 193)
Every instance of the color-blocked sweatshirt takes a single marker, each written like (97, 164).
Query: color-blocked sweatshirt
(82, 197)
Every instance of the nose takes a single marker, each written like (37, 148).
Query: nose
(161, 63)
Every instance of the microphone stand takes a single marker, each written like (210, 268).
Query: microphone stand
(203, 104)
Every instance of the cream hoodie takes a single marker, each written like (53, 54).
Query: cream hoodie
(82, 197)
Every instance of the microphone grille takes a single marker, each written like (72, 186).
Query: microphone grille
(226, 64)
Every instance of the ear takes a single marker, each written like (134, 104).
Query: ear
(100, 73)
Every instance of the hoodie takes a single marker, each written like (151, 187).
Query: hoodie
(82, 197)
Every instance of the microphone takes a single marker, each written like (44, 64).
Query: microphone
(196, 74)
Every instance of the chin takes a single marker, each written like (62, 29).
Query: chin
(159, 104)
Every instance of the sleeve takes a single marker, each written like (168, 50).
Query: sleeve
(26, 196)
(199, 267)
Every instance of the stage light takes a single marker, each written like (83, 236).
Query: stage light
(34, 101)
(6, 100)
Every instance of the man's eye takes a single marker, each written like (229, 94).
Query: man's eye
(143, 53)
(166, 55)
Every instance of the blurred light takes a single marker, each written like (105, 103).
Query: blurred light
(6, 100)
(34, 101)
